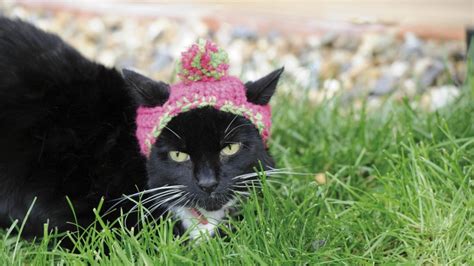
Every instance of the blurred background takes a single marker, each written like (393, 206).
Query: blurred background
(361, 50)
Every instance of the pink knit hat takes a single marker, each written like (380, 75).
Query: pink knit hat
(203, 71)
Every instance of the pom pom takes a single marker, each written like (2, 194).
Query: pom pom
(203, 61)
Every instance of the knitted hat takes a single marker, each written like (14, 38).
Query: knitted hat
(204, 82)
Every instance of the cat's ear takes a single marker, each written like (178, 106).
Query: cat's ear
(145, 91)
(261, 91)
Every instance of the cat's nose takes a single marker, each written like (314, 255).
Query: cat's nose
(206, 178)
(208, 184)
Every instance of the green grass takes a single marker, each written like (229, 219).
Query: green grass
(399, 190)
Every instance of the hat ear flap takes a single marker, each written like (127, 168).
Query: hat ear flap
(261, 91)
(145, 91)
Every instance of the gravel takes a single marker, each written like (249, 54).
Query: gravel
(379, 64)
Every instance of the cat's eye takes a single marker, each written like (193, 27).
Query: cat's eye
(178, 156)
(231, 149)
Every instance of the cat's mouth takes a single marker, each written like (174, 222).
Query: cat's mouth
(204, 216)
(199, 216)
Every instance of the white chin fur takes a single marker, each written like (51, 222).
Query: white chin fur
(197, 229)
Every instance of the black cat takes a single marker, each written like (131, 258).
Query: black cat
(67, 130)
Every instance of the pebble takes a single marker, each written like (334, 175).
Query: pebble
(412, 46)
(428, 70)
(439, 97)
(328, 38)
(320, 178)
(399, 68)
(384, 85)
(108, 58)
(408, 89)
(373, 43)
(162, 59)
(332, 86)
(155, 29)
(243, 32)
(348, 42)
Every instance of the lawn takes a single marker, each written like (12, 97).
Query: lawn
(395, 185)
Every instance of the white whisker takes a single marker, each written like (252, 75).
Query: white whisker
(176, 134)
(128, 197)
(175, 203)
(233, 129)
(154, 198)
(160, 203)
(253, 174)
(156, 206)
(148, 191)
(227, 128)
(241, 193)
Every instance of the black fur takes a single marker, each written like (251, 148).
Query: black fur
(262, 90)
(67, 130)
(145, 91)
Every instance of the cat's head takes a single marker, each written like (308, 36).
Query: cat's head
(202, 157)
